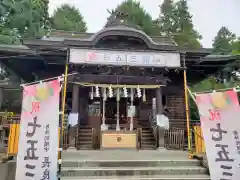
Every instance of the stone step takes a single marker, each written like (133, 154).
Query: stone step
(131, 171)
(149, 142)
(128, 163)
(157, 177)
(84, 133)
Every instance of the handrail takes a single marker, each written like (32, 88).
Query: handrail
(153, 124)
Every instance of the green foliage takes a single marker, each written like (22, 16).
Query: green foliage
(68, 18)
(222, 43)
(22, 18)
(8, 36)
(236, 47)
(186, 34)
(176, 20)
(168, 19)
(137, 15)
(205, 85)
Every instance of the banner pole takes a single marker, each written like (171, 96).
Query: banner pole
(64, 98)
(187, 107)
(64, 92)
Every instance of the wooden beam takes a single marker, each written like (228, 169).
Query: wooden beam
(121, 79)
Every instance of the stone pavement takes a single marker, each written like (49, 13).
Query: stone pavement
(160, 154)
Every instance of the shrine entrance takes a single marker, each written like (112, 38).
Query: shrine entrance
(124, 112)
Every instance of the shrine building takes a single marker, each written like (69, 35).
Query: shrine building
(118, 80)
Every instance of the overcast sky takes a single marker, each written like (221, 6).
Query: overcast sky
(208, 15)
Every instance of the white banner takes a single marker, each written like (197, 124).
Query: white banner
(38, 142)
(220, 122)
(125, 58)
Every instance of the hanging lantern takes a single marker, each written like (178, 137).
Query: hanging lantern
(91, 94)
(104, 94)
(139, 94)
(97, 91)
(144, 95)
(110, 91)
(125, 92)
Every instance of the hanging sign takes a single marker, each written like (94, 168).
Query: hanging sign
(38, 141)
(220, 124)
(121, 58)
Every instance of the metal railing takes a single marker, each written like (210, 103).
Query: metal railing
(153, 124)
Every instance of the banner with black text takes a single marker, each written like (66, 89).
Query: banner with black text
(38, 142)
(220, 122)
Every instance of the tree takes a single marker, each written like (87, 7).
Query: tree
(136, 15)
(222, 43)
(236, 46)
(176, 20)
(68, 18)
(22, 18)
(186, 35)
(168, 17)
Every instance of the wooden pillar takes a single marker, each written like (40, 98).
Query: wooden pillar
(75, 98)
(159, 111)
(83, 106)
(1, 96)
(159, 105)
(75, 104)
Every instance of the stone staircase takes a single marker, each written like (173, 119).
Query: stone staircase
(84, 140)
(148, 141)
(131, 165)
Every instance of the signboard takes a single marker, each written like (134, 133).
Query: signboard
(38, 141)
(220, 124)
(121, 58)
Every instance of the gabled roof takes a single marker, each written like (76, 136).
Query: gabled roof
(60, 39)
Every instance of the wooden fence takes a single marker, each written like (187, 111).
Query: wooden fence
(174, 137)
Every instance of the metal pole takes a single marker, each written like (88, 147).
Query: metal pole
(64, 97)
(187, 108)
(63, 114)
